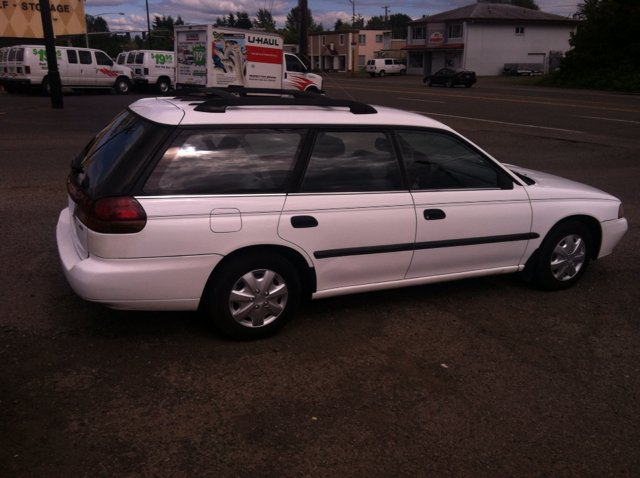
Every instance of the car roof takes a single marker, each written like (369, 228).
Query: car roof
(178, 111)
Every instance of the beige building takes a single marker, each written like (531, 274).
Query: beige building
(341, 50)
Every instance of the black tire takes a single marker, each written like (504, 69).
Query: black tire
(274, 302)
(45, 87)
(163, 86)
(449, 83)
(467, 85)
(403, 72)
(381, 73)
(122, 85)
(428, 81)
(563, 256)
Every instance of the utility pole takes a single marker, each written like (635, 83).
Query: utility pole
(303, 28)
(386, 16)
(353, 17)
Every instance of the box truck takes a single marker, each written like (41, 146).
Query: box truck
(207, 55)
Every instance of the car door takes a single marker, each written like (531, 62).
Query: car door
(87, 68)
(104, 65)
(352, 214)
(70, 68)
(471, 215)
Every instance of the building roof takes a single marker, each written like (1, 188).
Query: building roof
(494, 12)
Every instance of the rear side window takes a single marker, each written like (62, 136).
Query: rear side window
(139, 58)
(12, 54)
(107, 149)
(72, 56)
(352, 161)
(20, 54)
(85, 57)
(227, 161)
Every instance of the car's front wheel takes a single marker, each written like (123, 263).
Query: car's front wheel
(122, 86)
(427, 81)
(449, 83)
(563, 256)
(253, 296)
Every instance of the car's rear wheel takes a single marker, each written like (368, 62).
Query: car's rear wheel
(45, 87)
(163, 86)
(253, 296)
(467, 85)
(427, 81)
(563, 256)
(382, 73)
(449, 83)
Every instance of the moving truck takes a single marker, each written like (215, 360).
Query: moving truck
(207, 55)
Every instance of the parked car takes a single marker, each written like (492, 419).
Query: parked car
(384, 66)
(520, 69)
(451, 77)
(240, 206)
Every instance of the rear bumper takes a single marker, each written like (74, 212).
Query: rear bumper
(159, 283)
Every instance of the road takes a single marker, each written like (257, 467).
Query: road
(484, 377)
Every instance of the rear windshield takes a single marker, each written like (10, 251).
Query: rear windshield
(106, 150)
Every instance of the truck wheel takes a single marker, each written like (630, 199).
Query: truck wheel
(381, 73)
(403, 72)
(45, 87)
(122, 86)
(163, 85)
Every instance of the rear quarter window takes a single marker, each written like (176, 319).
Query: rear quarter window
(227, 161)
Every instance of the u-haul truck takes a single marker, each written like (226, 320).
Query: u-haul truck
(207, 55)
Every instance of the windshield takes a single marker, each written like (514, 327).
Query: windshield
(106, 150)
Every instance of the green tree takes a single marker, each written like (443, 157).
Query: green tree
(398, 24)
(606, 47)
(265, 20)
(375, 23)
(243, 21)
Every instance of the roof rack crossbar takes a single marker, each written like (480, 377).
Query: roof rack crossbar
(216, 100)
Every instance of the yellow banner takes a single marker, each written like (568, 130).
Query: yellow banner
(22, 18)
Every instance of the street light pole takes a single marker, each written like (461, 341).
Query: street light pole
(86, 33)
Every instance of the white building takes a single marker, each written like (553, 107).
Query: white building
(483, 37)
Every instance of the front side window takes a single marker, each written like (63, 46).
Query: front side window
(227, 161)
(103, 59)
(131, 57)
(352, 161)
(436, 161)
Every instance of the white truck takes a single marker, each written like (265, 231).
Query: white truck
(150, 68)
(80, 68)
(221, 57)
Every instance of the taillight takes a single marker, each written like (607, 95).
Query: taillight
(116, 215)
(146, 71)
(119, 215)
(27, 70)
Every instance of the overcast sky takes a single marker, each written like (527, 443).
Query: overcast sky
(325, 11)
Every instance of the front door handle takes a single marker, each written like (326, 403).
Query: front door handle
(434, 214)
(301, 222)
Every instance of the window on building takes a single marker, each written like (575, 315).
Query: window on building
(455, 31)
(341, 40)
(378, 38)
(418, 33)
(362, 39)
(324, 40)
(416, 59)
(362, 61)
(519, 30)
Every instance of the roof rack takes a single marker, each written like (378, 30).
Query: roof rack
(216, 100)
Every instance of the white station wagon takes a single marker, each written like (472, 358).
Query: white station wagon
(240, 206)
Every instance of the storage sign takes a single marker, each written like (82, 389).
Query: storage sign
(22, 18)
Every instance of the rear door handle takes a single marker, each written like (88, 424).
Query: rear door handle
(301, 222)
(434, 214)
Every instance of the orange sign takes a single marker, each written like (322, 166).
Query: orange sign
(22, 18)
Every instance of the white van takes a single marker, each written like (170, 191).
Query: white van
(152, 68)
(80, 68)
(385, 66)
